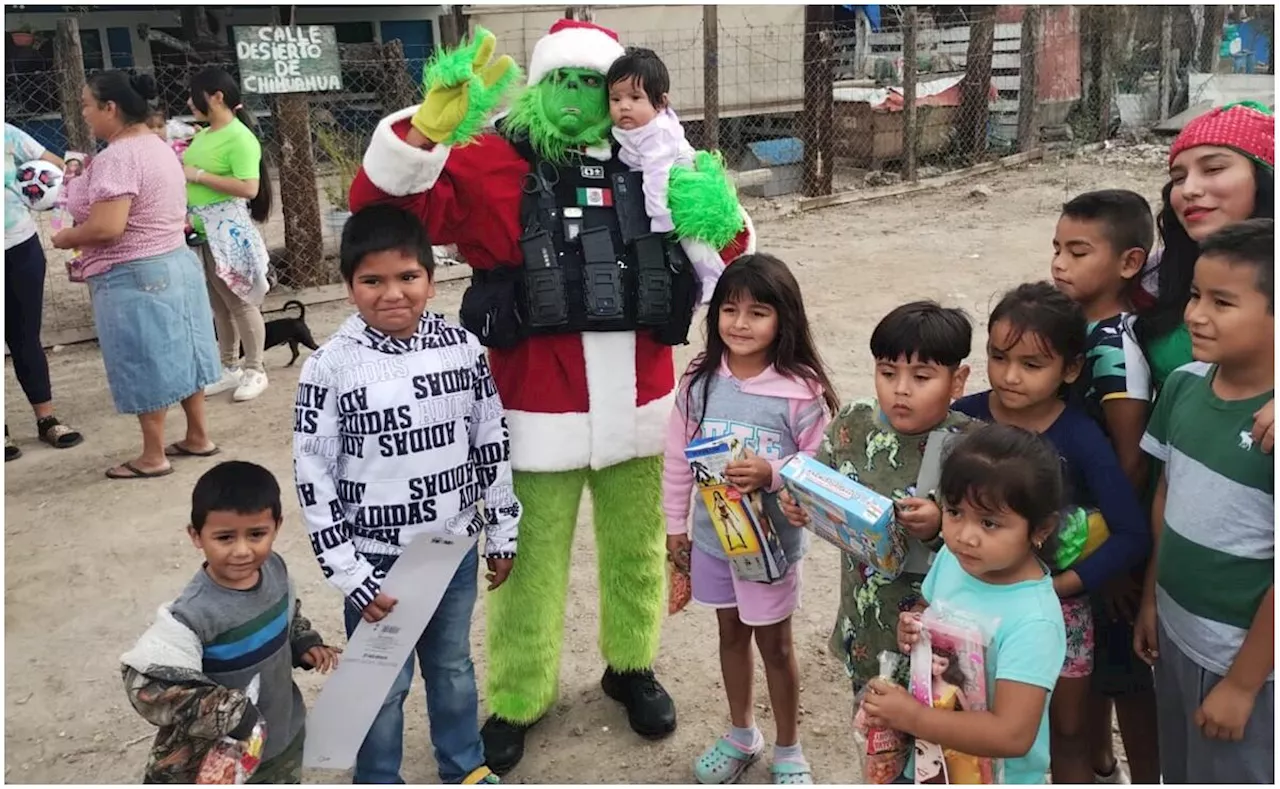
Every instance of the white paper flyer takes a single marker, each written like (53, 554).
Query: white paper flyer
(376, 651)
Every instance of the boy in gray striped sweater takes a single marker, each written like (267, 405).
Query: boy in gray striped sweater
(237, 619)
(1207, 621)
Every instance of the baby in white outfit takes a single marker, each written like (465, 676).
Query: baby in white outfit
(652, 141)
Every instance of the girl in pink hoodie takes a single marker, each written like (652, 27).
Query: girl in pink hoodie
(761, 379)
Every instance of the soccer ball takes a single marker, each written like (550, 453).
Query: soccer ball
(38, 183)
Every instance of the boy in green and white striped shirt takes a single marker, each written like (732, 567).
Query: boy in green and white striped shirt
(1211, 585)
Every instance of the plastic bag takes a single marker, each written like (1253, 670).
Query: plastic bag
(232, 761)
(883, 751)
(949, 671)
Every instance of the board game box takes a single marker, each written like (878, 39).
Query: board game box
(747, 537)
(854, 518)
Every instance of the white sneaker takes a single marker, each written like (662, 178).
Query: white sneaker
(231, 377)
(252, 384)
(1117, 776)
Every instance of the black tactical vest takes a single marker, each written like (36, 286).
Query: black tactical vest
(590, 262)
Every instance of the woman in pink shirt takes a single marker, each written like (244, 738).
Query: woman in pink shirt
(150, 304)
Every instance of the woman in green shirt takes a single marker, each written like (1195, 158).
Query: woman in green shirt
(1221, 171)
(228, 189)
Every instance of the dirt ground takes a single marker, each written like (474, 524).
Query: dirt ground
(88, 560)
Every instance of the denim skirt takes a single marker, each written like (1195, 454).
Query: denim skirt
(155, 330)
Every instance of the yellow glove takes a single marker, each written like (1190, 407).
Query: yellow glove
(460, 85)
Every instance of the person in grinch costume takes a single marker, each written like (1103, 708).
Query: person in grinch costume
(579, 305)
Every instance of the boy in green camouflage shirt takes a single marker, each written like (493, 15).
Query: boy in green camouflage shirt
(919, 350)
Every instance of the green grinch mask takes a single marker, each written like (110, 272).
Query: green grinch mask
(568, 108)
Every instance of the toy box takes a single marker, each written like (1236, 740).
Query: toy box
(854, 518)
(949, 671)
(746, 535)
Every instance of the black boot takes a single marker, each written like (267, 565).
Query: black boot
(11, 450)
(503, 744)
(650, 710)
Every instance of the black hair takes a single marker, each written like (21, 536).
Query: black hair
(1125, 217)
(1248, 243)
(381, 228)
(211, 80)
(766, 279)
(645, 66)
(1178, 255)
(157, 112)
(235, 486)
(1001, 467)
(131, 93)
(925, 330)
(1046, 312)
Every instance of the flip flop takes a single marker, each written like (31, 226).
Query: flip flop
(137, 473)
(177, 450)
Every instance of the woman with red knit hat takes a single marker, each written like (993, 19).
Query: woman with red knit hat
(1221, 171)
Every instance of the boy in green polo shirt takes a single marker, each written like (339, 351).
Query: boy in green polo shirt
(1207, 621)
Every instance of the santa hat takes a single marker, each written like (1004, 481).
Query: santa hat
(1247, 127)
(574, 44)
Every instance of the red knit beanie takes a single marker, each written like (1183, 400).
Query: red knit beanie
(1247, 127)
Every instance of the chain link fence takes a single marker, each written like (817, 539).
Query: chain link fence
(817, 103)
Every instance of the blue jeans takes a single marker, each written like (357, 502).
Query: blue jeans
(444, 656)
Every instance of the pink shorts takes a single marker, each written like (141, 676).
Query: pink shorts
(759, 605)
(1078, 616)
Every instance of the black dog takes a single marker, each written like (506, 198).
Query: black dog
(289, 330)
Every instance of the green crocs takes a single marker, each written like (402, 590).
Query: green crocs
(724, 762)
(788, 772)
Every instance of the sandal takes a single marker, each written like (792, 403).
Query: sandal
(177, 450)
(56, 434)
(137, 473)
(789, 772)
(11, 450)
(724, 762)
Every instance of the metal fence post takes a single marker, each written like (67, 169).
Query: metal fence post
(910, 78)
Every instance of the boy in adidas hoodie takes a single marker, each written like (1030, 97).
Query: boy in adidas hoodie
(399, 433)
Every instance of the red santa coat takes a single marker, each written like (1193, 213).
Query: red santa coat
(573, 400)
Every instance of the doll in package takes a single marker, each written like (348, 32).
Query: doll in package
(949, 672)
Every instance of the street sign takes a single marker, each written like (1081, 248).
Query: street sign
(294, 59)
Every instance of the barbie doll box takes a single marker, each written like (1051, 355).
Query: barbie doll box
(851, 516)
(747, 537)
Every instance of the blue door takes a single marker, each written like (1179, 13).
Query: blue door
(418, 40)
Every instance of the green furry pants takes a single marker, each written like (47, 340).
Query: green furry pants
(525, 616)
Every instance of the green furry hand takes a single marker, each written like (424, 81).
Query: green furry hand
(462, 88)
(704, 203)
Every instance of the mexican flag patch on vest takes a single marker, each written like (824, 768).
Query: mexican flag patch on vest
(594, 197)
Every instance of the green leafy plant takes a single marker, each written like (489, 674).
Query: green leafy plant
(345, 152)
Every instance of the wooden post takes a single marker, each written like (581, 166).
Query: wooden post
(819, 103)
(975, 86)
(710, 78)
(1215, 16)
(395, 89)
(303, 264)
(1104, 67)
(910, 67)
(453, 26)
(1166, 60)
(68, 64)
(1028, 78)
